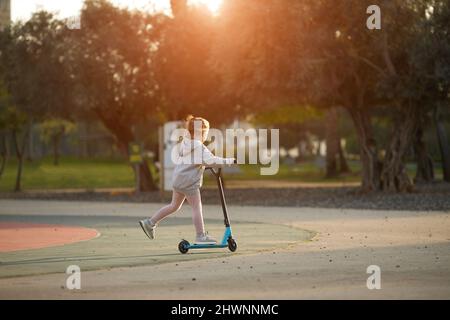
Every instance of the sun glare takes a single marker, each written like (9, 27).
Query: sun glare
(212, 5)
(22, 9)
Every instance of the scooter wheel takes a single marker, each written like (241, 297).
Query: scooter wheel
(232, 245)
(183, 246)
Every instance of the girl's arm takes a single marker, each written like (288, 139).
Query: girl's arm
(209, 159)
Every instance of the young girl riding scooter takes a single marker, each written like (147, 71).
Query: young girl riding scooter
(188, 179)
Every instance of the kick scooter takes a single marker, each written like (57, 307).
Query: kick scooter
(227, 240)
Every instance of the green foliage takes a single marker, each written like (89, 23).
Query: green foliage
(4, 104)
(11, 118)
(31, 58)
(187, 81)
(279, 62)
(53, 127)
(289, 115)
(111, 61)
(296, 123)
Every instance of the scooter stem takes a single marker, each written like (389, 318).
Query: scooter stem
(218, 175)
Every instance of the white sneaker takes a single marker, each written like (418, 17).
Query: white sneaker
(205, 239)
(148, 228)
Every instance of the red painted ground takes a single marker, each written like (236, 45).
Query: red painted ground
(16, 236)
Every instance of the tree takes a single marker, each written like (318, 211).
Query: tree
(425, 168)
(322, 53)
(4, 128)
(34, 77)
(52, 131)
(187, 81)
(443, 143)
(335, 158)
(15, 121)
(276, 52)
(431, 60)
(112, 60)
(296, 123)
(370, 70)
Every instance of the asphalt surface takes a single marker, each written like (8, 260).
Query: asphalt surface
(410, 247)
(427, 197)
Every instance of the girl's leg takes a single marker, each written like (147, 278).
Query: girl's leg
(197, 214)
(175, 205)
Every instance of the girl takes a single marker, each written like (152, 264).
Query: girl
(188, 179)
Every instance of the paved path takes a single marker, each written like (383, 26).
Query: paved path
(411, 248)
(231, 184)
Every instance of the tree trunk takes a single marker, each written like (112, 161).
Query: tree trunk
(2, 165)
(4, 153)
(30, 147)
(370, 165)
(124, 136)
(443, 144)
(394, 177)
(55, 151)
(425, 171)
(18, 186)
(145, 178)
(56, 144)
(146, 182)
(319, 146)
(332, 142)
(83, 140)
(343, 164)
(20, 150)
(300, 152)
(335, 154)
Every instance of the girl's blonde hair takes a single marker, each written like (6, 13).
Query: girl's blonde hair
(190, 125)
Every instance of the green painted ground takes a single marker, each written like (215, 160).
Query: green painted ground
(122, 244)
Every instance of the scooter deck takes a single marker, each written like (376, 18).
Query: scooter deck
(207, 246)
(222, 244)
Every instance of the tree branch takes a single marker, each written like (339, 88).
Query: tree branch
(387, 56)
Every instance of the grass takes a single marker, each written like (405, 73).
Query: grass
(305, 172)
(103, 173)
(71, 173)
(308, 172)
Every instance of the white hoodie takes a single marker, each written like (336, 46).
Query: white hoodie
(193, 156)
